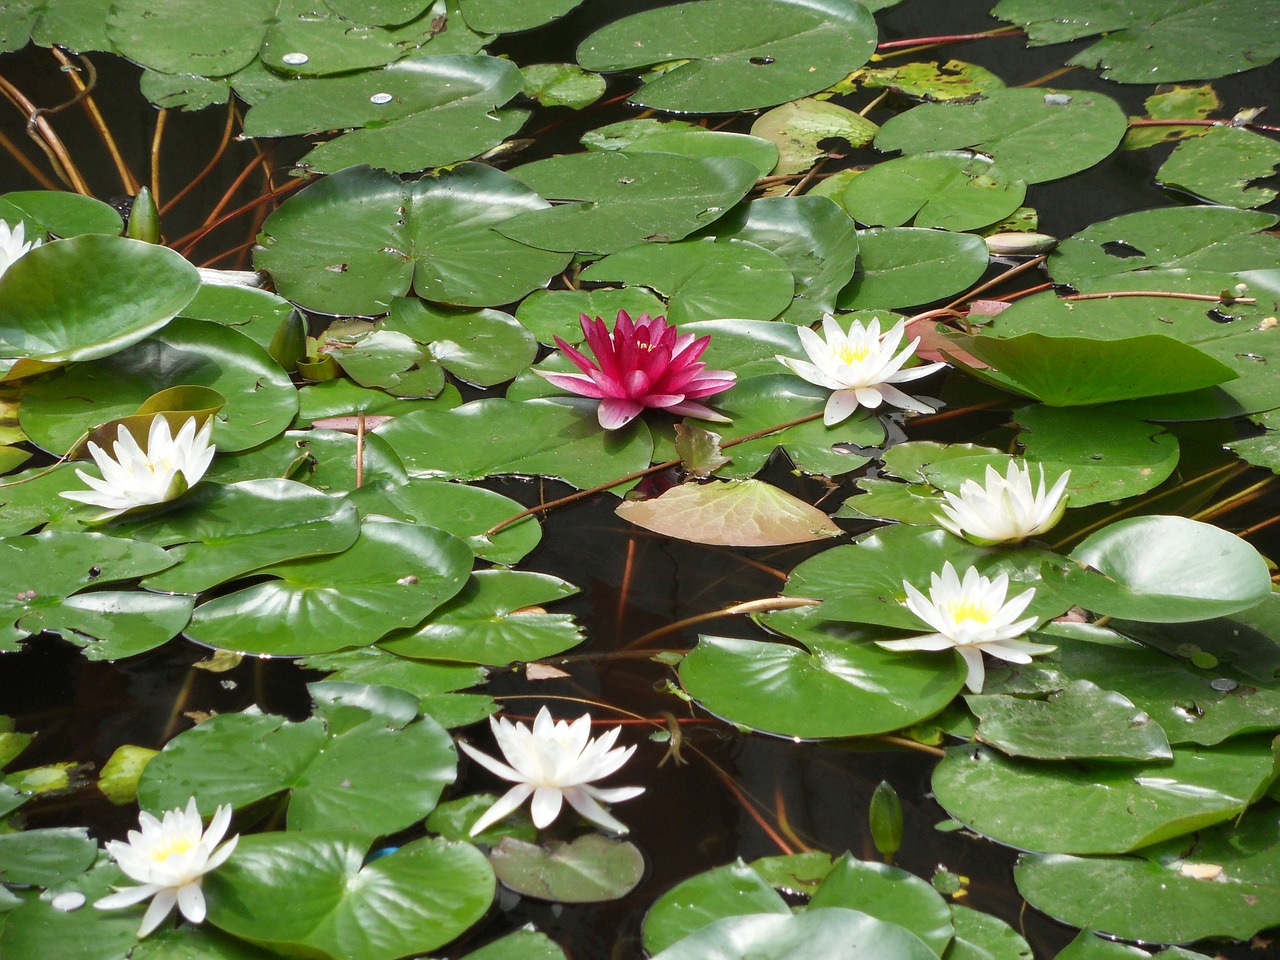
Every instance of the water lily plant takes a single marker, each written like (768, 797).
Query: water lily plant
(169, 859)
(13, 244)
(1004, 509)
(642, 364)
(554, 762)
(973, 617)
(860, 365)
(136, 478)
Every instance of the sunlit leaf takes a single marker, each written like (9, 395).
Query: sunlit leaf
(1222, 165)
(898, 267)
(952, 190)
(589, 869)
(835, 933)
(798, 128)
(1034, 134)
(742, 54)
(733, 890)
(738, 513)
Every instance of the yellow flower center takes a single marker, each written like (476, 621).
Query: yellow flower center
(964, 609)
(851, 354)
(171, 847)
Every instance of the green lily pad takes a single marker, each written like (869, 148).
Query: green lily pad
(223, 532)
(310, 891)
(660, 136)
(862, 582)
(255, 313)
(512, 16)
(45, 857)
(112, 625)
(741, 54)
(747, 347)
(839, 684)
(32, 924)
(898, 267)
(188, 36)
(1077, 371)
(590, 869)
(703, 279)
(608, 201)
(1081, 721)
(43, 570)
(812, 235)
(835, 933)
(496, 619)
(466, 512)
(111, 293)
(562, 85)
(887, 893)
(333, 766)
(1115, 808)
(1034, 134)
(434, 237)
(483, 347)
(261, 400)
(1222, 240)
(1221, 883)
(414, 114)
(929, 80)
(548, 314)
(738, 513)
(1163, 569)
(497, 437)
(952, 190)
(524, 944)
(980, 936)
(393, 576)
(733, 890)
(1221, 166)
(59, 213)
(1151, 41)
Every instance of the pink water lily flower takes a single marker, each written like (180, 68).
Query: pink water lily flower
(642, 364)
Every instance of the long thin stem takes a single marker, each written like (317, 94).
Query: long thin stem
(43, 135)
(39, 175)
(638, 474)
(1246, 495)
(193, 238)
(208, 167)
(911, 44)
(1202, 123)
(85, 90)
(214, 219)
(1165, 294)
(763, 605)
(996, 281)
(157, 139)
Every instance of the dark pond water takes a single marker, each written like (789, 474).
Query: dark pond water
(736, 795)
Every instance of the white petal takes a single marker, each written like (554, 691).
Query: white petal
(977, 671)
(160, 907)
(126, 897)
(589, 808)
(504, 805)
(840, 406)
(191, 902)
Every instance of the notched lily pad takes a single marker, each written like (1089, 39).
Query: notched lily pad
(590, 869)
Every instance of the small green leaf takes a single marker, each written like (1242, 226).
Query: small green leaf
(590, 869)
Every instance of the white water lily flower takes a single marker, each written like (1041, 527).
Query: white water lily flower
(11, 244)
(134, 478)
(169, 858)
(554, 762)
(860, 366)
(1004, 509)
(973, 617)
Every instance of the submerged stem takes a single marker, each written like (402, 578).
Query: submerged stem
(85, 98)
(762, 605)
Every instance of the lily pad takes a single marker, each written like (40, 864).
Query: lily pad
(590, 869)
(1163, 569)
(88, 297)
(434, 237)
(1222, 165)
(738, 513)
(898, 267)
(261, 400)
(798, 129)
(312, 891)
(554, 313)
(511, 16)
(333, 767)
(1081, 721)
(189, 36)
(59, 213)
(1152, 41)
(1115, 808)
(838, 684)
(562, 85)
(496, 619)
(739, 54)
(835, 933)
(1221, 883)
(392, 577)
(704, 279)
(890, 894)
(608, 201)
(497, 437)
(1034, 134)
(949, 189)
(733, 890)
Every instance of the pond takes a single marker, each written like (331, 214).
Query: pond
(963, 647)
